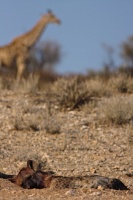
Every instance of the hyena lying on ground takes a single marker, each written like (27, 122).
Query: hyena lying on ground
(33, 177)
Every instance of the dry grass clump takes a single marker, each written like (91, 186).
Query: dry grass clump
(122, 83)
(25, 85)
(30, 82)
(52, 126)
(6, 83)
(71, 93)
(38, 120)
(38, 123)
(97, 87)
(118, 110)
(25, 123)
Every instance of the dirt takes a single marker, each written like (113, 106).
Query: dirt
(82, 146)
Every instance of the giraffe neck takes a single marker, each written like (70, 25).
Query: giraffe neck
(30, 38)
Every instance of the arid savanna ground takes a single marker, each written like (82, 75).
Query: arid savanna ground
(74, 126)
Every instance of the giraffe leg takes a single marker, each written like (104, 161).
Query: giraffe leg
(21, 64)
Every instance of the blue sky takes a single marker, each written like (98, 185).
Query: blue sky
(86, 25)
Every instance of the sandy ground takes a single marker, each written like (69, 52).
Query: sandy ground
(82, 146)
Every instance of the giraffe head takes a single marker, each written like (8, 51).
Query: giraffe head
(52, 18)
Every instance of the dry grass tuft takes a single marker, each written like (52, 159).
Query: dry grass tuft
(25, 85)
(97, 87)
(6, 83)
(28, 85)
(71, 93)
(122, 84)
(37, 120)
(23, 123)
(118, 110)
(52, 126)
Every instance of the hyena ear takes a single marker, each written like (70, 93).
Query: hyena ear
(30, 164)
(33, 165)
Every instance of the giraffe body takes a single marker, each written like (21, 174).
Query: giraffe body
(17, 52)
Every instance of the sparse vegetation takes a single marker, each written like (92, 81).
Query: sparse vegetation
(118, 110)
(39, 120)
(121, 84)
(97, 87)
(52, 126)
(71, 93)
(23, 123)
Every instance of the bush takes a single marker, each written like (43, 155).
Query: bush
(52, 126)
(71, 93)
(97, 88)
(36, 119)
(122, 84)
(26, 85)
(118, 110)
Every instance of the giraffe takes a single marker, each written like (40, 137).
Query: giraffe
(17, 52)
